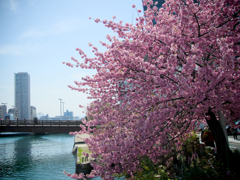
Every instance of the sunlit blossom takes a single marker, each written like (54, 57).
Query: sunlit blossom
(154, 81)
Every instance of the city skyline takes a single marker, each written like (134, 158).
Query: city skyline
(37, 36)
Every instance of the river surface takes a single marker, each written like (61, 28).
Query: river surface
(37, 157)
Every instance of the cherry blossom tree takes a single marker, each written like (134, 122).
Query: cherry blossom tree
(159, 80)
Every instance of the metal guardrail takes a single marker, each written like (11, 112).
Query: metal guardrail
(40, 122)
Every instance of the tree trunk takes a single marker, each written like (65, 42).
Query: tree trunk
(223, 149)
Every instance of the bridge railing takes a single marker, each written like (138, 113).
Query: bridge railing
(40, 122)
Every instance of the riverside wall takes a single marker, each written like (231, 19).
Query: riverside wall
(86, 167)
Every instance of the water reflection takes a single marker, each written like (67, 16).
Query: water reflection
(36, 157)
(22, 154)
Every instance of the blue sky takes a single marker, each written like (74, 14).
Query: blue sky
(36, 36)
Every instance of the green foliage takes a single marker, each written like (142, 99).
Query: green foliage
(162, 173)
(198, 162)
(150, 171)
(190, 138)
(196, 169)
(80, 150)
(208, 167)
(203, 164)
(196, 173)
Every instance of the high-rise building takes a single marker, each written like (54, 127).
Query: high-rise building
(33, 112)
(22, 95)
(3, 111)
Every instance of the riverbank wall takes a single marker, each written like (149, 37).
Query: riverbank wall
(79, 146)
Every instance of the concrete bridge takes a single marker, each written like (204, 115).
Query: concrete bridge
(40, 126)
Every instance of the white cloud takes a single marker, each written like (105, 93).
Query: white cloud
(13, 5)
(31, 2)
(62, 26)
(32, 33)
(56, 29)
(17, 49)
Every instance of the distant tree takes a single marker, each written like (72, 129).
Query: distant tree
(190, 73)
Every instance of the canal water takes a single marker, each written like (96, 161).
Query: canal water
(36, 157)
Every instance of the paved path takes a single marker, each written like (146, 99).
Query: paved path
(235, 141)
(234, 146)
(79, 142)
(78, 137)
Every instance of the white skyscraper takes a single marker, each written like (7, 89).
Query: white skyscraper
(22, 95)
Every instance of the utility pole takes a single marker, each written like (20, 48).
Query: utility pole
(63, 108)
(60, 108)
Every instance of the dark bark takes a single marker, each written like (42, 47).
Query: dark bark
(223, 149)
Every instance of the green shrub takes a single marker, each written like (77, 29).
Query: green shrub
(150, 171)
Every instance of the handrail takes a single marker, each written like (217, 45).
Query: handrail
(40, 122)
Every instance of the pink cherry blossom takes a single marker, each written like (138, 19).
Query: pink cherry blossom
(155, 82)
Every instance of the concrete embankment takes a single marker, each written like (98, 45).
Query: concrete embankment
(84, 168)
(82, 164)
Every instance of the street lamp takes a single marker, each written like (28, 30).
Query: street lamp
(60, 108)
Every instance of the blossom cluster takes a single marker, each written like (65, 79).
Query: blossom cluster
(155, 82)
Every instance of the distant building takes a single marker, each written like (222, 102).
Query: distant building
(40, 114)
(22, 95)
(13, 111)
(65, 118)
(76, 118)
(33, 112)
(57, 118)
(44, 117)
(9, 116)
(68, 114)
(159, 5)
(3, 111)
